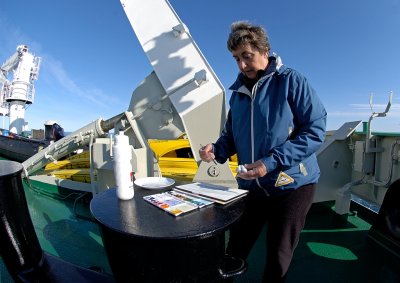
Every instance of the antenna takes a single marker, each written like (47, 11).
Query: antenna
(368, 148)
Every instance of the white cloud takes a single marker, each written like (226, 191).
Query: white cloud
(363, 112)
(58, 73)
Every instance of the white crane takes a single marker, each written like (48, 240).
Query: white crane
(17, 94)
(182, 95)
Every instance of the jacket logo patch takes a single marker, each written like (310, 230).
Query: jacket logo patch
(283, 179)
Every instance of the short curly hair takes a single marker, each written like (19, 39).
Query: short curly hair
(243, 33)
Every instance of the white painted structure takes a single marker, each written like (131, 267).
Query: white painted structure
(182, 96)
(16, 94)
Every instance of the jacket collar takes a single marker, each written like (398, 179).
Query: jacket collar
(275, 66)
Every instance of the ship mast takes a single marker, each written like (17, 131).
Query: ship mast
(16, 95)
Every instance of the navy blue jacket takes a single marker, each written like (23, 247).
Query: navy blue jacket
(281, 122)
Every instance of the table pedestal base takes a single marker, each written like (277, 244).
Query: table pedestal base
(134, 259)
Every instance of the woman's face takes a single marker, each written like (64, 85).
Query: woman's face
(250, 60)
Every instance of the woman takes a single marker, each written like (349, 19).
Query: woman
(275, 124)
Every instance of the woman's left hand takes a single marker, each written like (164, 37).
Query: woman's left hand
(254, 170)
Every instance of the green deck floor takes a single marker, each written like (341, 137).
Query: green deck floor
(332, 248)
(63, 230)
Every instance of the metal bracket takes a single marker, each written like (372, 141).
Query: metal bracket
(179, 30)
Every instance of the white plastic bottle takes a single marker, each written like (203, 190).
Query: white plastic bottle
(123, 167)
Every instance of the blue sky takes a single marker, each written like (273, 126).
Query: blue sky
(92, 61)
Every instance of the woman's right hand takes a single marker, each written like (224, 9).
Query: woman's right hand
(206, 153)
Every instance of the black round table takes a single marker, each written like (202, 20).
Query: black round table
(146, 244)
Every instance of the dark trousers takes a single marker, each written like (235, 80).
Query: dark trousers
(285, 216)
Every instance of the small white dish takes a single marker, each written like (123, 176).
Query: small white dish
(154, 183)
